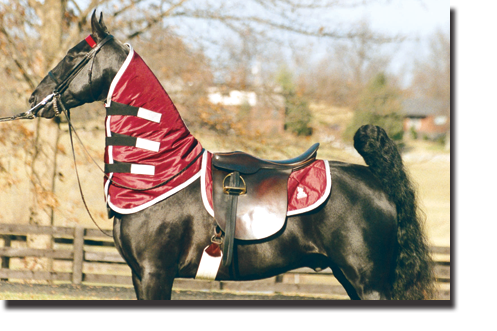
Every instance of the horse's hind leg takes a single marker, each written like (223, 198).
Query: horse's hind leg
(365, 265)
(358, 289)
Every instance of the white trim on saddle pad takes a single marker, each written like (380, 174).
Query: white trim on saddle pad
(289, 213)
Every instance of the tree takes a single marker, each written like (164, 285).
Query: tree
(378, 104)
(16, 26)
(297, 112)
(431, 75)
(340, 76)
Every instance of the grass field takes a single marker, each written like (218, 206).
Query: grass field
(433, 182)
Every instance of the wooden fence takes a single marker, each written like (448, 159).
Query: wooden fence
(86, 256)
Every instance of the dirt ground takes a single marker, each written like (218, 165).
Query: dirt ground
(9, 290)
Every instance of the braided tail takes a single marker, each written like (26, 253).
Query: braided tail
(414, 268)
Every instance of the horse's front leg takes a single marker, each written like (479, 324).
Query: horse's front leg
(153, 263)
(154, 284)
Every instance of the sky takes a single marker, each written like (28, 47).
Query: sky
(416, 19)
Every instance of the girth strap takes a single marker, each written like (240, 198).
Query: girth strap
(229, 240)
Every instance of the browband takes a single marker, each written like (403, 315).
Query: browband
(90, 41)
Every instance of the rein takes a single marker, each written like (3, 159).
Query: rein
(56, 96)
(30, 114)
(73, 129)
(62, 86)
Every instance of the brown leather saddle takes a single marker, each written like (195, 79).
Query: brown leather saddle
(250, 195)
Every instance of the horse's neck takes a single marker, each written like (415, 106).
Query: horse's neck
(136, 85)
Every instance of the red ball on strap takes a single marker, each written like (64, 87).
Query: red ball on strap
(90, 41)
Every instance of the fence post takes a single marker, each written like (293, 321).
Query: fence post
(77, 270)
(6, 259)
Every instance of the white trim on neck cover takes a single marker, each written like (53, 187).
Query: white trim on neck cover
(119, 74)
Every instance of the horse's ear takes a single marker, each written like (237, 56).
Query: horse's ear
(98, 28)
(102, 24)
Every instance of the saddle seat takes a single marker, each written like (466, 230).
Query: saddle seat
(250, 195)
(248, 164)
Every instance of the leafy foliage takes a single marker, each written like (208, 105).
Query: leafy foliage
(297, 112)
(378, 104)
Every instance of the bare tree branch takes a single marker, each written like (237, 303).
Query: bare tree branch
(157, 19)
(290, 27)
(85, 12)
(132, 4)
(15, 57)
(75, 3)
(284, 15)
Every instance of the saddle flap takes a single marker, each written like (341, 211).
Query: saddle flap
(261, 212)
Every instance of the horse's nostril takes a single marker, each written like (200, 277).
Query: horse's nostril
(32, 99)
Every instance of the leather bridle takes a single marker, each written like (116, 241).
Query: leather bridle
(59, 89)
(61, 86)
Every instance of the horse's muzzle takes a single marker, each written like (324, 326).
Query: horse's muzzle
(44, 108)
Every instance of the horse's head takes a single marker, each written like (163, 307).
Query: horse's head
(84, 74)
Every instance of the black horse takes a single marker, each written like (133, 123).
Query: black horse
(368, 230)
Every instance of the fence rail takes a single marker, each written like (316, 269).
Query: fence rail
(82, 251)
